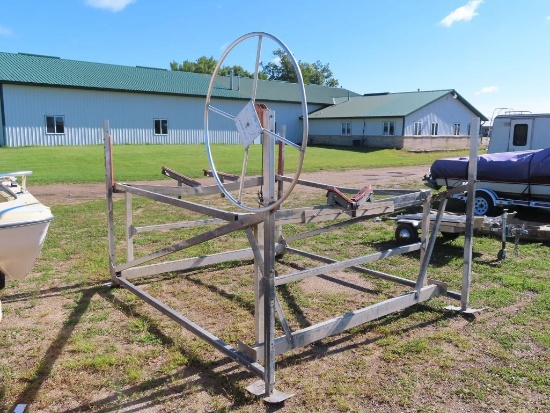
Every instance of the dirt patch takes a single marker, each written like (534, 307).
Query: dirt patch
(391, 177)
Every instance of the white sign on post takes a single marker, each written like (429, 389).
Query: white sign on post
(248, 124)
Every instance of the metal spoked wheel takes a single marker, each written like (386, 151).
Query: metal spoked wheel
(248, 124)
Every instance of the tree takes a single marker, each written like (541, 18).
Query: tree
(202, 65)
(312, 73)
(208, 64)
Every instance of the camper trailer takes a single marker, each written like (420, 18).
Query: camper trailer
(520, 132)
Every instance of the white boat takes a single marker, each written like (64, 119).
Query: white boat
(24, 222)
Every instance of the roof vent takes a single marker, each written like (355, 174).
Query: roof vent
(151, 68)
(39, 55)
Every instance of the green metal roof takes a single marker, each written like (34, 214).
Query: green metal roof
(23, 68)
(387, 105)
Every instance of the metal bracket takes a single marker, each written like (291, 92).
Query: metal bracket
(466, 311)
(258, 389)
(182, 179)
(337, 197)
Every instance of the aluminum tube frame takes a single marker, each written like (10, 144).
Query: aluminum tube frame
(352, 319)
(340, 265)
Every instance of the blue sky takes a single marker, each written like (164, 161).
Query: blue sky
(493, 52)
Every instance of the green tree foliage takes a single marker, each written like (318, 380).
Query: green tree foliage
(313, 73)
(202, 65)
(208, 64)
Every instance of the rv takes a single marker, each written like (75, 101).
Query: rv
(520, 132)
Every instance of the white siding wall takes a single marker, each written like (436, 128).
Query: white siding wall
(1, 120)
(131, 117)
(359, 127)
(446, 112)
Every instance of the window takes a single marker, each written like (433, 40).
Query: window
(469, 128)
(418, 128)
(161, 127)
(435, 127)
(456, 129)
(389, 128)
(55, 124)
(346, 128)
(520, 134)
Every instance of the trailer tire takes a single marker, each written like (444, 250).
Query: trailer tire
(406, 234)
(484, 205)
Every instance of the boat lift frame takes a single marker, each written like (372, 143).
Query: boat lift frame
(259, 358)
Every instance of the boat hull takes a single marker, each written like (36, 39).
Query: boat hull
(505, 189)
(20, 246)
(24, 222)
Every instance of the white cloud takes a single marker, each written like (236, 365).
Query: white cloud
(548, 18)
(113, 5)
(464, 13)
(487, 89)
(5, 31)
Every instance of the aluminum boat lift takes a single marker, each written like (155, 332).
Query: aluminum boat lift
(262, 225)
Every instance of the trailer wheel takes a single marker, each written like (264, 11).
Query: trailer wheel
(484, 205)
(406, 234)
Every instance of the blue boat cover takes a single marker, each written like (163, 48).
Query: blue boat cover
(522, 167)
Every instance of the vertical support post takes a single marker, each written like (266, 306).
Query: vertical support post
(258, 287)
(425, 261)
(129, 233)
(472, 176)
(109, 186)
(280, 184)
(281, 163)
(426, 208)
(504, 227)
(268, 279)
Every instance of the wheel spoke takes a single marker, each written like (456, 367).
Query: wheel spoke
(243, 174)
(285, 140)
(221, 112)
(256, 69)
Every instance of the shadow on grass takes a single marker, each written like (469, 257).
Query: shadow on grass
(220, 382)
(43, 371)
(222, 377)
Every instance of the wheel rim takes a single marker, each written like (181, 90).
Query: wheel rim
(405, 234)
(481, 206)
(305, 126)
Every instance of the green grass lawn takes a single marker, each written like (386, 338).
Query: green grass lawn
(85, 164)
(70, 343)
